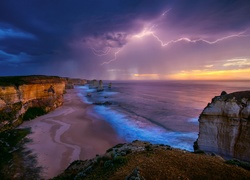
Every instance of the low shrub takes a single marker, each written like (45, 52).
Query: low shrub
(245, 165)
(33, 112)
(119, 145)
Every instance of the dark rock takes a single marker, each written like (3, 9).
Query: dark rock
(135, 175)
(106, 103)
(195, 146)
(100, 86)
(69, 86)
(223, 93)
(93, 84)
(123, 153)
(51, 89)
(110, 84)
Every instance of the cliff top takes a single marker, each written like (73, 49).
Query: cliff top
(239, 96)
(147, 161)
(33, 79)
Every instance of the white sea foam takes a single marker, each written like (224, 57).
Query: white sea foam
(129, 130)
(193, 120)
(161, 112)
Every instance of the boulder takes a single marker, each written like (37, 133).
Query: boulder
(106, 103)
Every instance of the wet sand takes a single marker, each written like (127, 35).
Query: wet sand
(69, 133)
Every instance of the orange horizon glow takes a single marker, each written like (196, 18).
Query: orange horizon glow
(236, 74)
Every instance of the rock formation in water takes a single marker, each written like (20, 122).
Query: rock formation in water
(106, 103)
(100, 86)
(93, 84)
(24, 97)
(224, 126)
(110, 85)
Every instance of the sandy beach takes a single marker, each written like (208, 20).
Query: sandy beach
(69, 133)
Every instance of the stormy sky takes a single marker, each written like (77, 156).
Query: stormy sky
(126, 39)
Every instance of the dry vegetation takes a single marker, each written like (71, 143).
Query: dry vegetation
(156, 162)
(33, 79)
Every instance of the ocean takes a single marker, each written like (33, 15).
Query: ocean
(160, 112)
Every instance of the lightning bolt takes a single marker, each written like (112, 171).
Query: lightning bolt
(149, 32)
(115, 57)
(100, 52)
(165, 12)
(241, 34)
(115, 54)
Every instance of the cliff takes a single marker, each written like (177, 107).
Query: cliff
(142, 160)
(224, 126)
(24, 97)
(71, 82)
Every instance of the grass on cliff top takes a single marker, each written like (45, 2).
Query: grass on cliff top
(20, 80)
(15, 161)
(159, 163)
(238, 95)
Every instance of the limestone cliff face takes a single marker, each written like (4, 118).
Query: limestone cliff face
(34, 91)
(224, 126)
(71, 82)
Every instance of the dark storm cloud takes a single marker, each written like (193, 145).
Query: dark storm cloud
(210, 16)
(116, 40)
(106, 40)
(53, 22)
(53, 33)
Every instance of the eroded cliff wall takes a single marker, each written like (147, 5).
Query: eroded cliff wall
(19, 94)
(71, 82)
(224, 126)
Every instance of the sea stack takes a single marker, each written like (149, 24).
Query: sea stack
(93, 84)
(224, 126)
(110, 85)
(100, 86)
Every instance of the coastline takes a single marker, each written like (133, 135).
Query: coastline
(68, 133)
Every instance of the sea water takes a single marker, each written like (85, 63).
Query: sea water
(160, 112)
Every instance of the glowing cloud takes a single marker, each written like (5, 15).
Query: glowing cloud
(238, 62)
(146, 76)
(209, 66)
